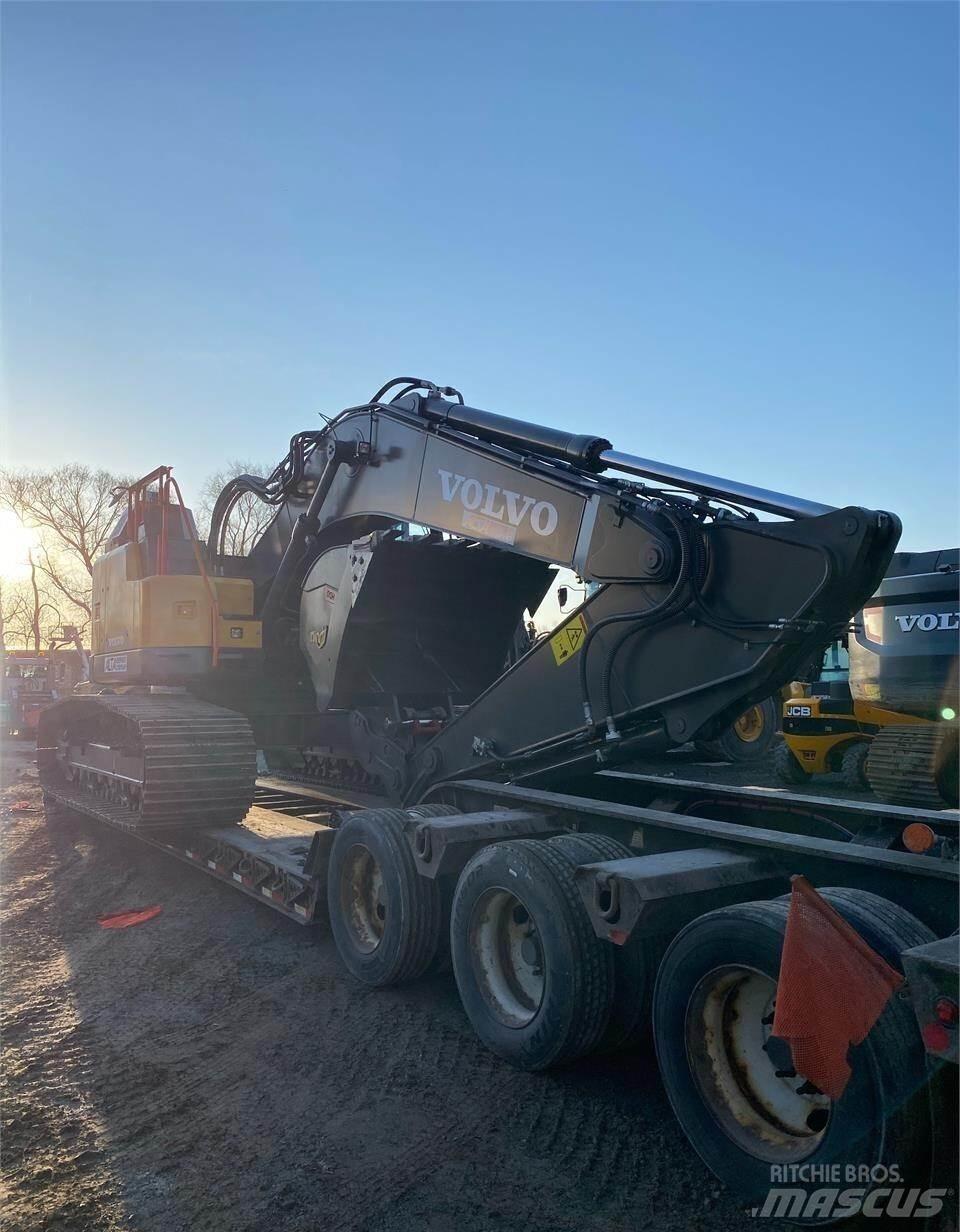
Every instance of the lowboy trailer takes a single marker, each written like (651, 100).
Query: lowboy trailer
(632, 911)
(369, 638)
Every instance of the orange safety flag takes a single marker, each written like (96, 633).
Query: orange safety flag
(832, 989)
(123, 919)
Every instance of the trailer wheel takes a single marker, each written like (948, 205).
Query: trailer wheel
(748, 738)
(534, 980)
(786, 766)
(634, 963)
(734, 1091)
(385, 917)
(853, 765)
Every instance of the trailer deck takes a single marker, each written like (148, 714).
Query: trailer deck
(277, 855)
(657, 860)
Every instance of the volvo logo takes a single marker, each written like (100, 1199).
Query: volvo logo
(498, 503)
(928, 621)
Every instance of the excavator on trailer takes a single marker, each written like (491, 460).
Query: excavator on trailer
(369, 627)
(481, 809)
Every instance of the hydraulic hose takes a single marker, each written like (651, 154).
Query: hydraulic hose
(306, 524)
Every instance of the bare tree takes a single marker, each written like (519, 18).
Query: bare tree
(35, 609)
(250, 517)
(72, 509)
(73, 502)
(15, 613)
(28, 614)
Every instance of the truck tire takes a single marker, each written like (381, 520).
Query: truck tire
(786, 766)
(386, 918)
(740, 1116)
(634, 963)
(748, 739)
(534, 980)
(853, 766)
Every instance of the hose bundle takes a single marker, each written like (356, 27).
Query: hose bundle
(285, 478)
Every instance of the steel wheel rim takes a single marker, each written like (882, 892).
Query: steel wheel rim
(749, 727)
(507, 957)
(363, 899)
(727, 1030)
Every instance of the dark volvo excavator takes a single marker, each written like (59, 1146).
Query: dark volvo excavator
(366, 640)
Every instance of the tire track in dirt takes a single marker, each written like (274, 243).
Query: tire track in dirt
(55, 1175)
(216, 1071)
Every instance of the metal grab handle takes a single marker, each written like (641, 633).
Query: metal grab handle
(606, 896)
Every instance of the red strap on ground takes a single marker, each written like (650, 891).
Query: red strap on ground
(832, 989)
(124, 919)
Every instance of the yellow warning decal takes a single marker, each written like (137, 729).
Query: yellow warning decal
(567, 641)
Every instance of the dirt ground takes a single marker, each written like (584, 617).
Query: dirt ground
(215, 1070)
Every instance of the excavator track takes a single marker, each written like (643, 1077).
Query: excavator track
(148, 761)
(914, 764)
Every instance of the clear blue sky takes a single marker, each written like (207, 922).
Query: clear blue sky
(724, 235)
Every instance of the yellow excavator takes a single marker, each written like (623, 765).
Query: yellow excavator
(884, 711)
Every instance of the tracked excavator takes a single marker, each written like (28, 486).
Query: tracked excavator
(365, 641)
(888, 720)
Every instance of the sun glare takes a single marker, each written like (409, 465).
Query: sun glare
(16, 540)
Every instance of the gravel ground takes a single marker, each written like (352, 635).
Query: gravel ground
(215, 1070)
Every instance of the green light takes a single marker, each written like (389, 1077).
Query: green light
(948, 714)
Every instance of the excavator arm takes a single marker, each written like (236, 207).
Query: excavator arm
(701, 608)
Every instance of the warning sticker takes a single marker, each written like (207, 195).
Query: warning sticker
(567, 641)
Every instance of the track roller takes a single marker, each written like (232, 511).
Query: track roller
(146, 761)
(915, 764)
